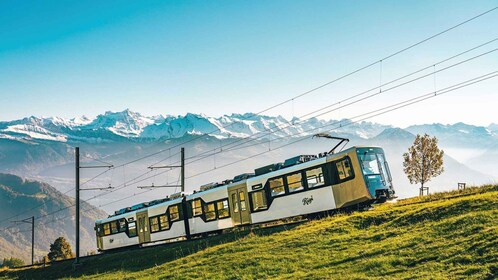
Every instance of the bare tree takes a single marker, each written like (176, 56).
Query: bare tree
(423, 161)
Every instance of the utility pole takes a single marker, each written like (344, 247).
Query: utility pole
(77, 226)
(182, 187)
(32, 240)
(32, 222)
(182, 174)
(183, 169)
(77, 197)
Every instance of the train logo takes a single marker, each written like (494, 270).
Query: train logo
(307, 201)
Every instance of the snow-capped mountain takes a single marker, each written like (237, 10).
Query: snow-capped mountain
(458, 134)
(126, 123)
(129, 125)
(135, 127)
(494, 129)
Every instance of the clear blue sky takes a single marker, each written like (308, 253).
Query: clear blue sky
(72, 58)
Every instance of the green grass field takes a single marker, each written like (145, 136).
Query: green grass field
(450, 235)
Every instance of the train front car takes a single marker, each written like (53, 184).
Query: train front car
(376, 173)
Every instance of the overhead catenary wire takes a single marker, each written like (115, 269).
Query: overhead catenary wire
(373, 114)
(228, 147)
(169, 170)
(89, 208)
(42, 204)
(345, 105)
(95, 159)
(327, 83)
(383, 59)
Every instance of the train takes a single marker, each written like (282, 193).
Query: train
(301, 186)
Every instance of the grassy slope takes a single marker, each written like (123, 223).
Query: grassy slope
(444, 236)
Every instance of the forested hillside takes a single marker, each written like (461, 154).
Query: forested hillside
(21, 199)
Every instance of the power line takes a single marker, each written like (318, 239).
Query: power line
(325, 84)
(98, 160)
(312, 90)
(364, 98)
(42, 204)
(387, 83)
(388, 108)
(416, 72)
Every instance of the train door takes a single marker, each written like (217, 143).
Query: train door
(99, 233)
(100, 243)
(239, 203)
(143, 227)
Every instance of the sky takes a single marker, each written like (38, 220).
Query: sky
(73, 58)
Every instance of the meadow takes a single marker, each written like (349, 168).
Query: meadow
(451, 235)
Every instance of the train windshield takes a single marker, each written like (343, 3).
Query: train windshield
(370, 164)
(375, 168)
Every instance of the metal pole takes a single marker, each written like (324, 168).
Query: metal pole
(183, 169)
(32, 240)
(184, 203)
(77, 160)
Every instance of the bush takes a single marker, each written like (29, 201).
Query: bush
(12, 262)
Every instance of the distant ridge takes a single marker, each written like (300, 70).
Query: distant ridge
(395, 134)
(18, 195)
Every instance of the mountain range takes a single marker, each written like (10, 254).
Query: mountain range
(132, 126)
(42, 148)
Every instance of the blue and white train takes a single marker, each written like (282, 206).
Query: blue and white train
(301, 186)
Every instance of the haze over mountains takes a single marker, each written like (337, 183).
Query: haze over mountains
(42, 148)
(21, 199)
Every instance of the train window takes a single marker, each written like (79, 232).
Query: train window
(173, 213)
(294, 182)
(163, 222)
(114, 227)
(259, 200)
(141, 223)
(196, 207)
(132, 229)
(210, 211)
(122, 225)
(242, 199)
(107, 229)
(222, 209)
(277, 186)
(154, 224)
(344, 169)
(315, 177)
(235, 203)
